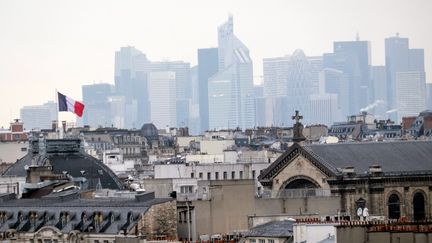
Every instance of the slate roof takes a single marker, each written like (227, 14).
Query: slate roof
(395, 157)
(73, 161)
(403, 156)
(118, 214)
(274, 229)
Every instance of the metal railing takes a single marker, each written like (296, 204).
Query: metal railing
(296, 193)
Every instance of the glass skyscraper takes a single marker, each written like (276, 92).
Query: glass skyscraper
(230, 90)
(207, 67)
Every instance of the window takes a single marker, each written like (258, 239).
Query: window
(252, 241)
(270, 241)
(192, 175)
(225, 175)
(200, 175)
(216, 175)
(233, 175)
(253, 174)
(186, 189)
(261, 241)
(241, 174)
(208, 176)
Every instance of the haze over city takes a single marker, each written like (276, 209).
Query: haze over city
(48, 45)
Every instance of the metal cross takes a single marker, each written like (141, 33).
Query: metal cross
(297, 117)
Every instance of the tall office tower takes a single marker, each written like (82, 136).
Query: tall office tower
(117, 110)
(276, 75)
(39, 117)
(162, 107)
(400, 59)
(98, 110)
(379, 85)
(410, 93)
(231, 101)
(194, 111)
(333, 81)
(275, 88)
(316, 64)
(429, 96)
(396, 60)
(207, 67)
(352, 58)
(288, 83)
(183, 94)
(324, 109)
(260, 106)
(299, 85)
(131, 68)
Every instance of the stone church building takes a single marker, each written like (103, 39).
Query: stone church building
(390, 179)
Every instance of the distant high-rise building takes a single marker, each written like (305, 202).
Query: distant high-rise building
(98, 110)
(39, 117)
(162, 107)
(231, 101)
(410, 93)
(207, 67)
(194, 111)
(429, 96)
(131, 75)
(352, 58)
(379, 84)
(316, 64)
(333, 81)
(183, 94)
(323, 109)
(288, 83)
(131, 68)
(410, 63)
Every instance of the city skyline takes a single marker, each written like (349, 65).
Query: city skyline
(42, 55)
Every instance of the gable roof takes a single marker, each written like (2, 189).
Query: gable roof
(401, 156)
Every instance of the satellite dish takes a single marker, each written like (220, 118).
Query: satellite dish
(365, 212)
(359, 212)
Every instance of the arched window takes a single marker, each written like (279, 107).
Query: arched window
(301, 183)
(394, 207)
(419, 206)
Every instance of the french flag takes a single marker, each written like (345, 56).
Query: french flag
(67, 104)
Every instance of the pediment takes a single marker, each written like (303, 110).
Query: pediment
(267, 176)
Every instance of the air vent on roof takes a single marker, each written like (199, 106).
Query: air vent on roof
(348, 170)
(375, 169)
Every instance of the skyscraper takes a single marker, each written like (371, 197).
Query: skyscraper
(162, 107)
(352, 58)
(39, 116)
(403, 64)
(379, 84)
(183, 95)
(207, 67)
(95, 98)
(231, 101)
(333, 81)
(131, 67)
(410, 93)
(396, 60)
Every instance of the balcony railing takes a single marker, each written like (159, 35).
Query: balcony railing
(296, 193)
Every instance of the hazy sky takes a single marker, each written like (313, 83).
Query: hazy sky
(55, 44)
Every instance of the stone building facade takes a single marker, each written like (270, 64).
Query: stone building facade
(390, 179)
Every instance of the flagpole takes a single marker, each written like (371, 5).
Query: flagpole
(58, 115)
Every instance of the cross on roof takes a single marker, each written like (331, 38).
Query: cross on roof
(297, 117)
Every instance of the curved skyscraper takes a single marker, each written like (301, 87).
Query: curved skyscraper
(230, 90)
